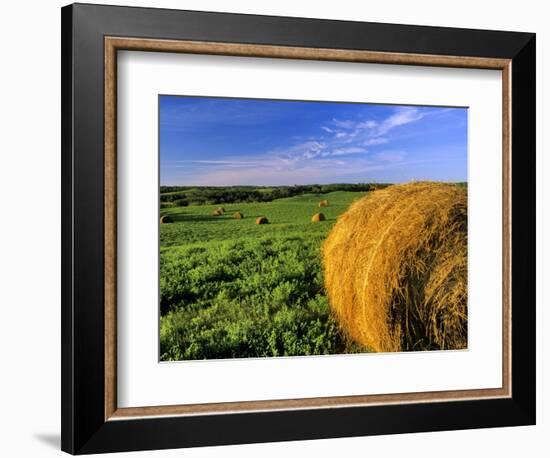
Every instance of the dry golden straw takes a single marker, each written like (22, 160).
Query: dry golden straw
(323, 203)
(262, 220)
(217, 212)
(318, 217)
(396, 268)
(165, 219)
(238, 215)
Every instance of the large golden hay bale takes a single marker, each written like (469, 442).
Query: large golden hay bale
(396, 268)
(165, 219)
(238, 215)
(262, 220)
(217, 212)
(318, 217)
(323, 203)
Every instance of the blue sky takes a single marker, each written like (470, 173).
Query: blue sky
(219, 141)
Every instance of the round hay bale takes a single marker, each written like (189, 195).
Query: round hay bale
(318, 217)
(395, 268)
(238, 215)
(262, 220)
(323, 203)
(217, 212)
(165, 219)
(221, 210)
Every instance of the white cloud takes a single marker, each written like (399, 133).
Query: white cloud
(370, 124)
(273, 172)
(371, 128)
(224, 162)
(350, 150)
(375, 141)
(400, 118)
(348, 137)
(314, 160)
(348, 124)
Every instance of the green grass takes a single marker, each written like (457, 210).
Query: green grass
(231, 288)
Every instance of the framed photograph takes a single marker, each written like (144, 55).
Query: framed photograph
(282, 228)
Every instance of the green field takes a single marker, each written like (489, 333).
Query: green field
(230, 288)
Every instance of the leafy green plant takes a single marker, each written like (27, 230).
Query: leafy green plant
(232, 289)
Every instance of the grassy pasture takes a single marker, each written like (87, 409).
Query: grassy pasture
(231, 288)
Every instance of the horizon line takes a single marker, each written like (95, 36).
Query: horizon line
(306, 184)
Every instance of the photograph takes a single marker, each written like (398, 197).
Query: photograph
(304, 228)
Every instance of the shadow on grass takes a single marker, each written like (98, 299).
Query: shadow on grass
(194, 218)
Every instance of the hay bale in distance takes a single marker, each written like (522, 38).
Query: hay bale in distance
(318, 217)
(396, 268)
(221, 210)
(217, 212)
(238, 215)
(323, 203)
(165, 219)
(262, 220)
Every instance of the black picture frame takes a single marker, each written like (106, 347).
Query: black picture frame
(84, 428)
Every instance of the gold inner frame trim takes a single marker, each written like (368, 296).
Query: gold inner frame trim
(114, 44)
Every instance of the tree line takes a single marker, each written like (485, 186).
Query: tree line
(182, 196)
